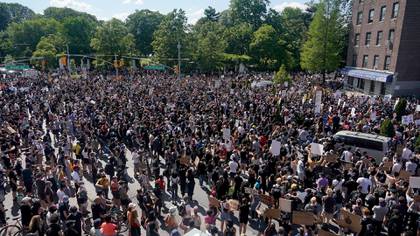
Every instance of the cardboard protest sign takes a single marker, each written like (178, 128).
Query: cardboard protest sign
(317, 149)
(226, 134)
(414, 182)
(350, 221)
(234, 204)
(275, 148)
(285, 205)
(322, 232)
(272, 213)
(184, 160)
(10, 130)
(303, 218)
(269, 200)
(214, 202)
(387, 166)
(331, 158)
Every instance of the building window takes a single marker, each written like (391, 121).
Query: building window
(379, 37)
(361, 84)
(354, 60)
(368, 37)
(387, 62)
(372, 86)
(371, 15)
(395, 9)
(350, 81)
(382, 14)
(391, 36)
(365, 61)
(375, 62)
(359, 17)
(383, 88)
(356, 40)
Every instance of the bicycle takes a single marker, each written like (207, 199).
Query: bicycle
(12, 229)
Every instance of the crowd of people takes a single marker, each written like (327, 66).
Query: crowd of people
(59, 134)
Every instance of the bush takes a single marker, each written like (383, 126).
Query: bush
(387, 128)
(400, 108)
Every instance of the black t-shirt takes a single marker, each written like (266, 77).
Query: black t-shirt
(63, 208)
(97, 211)
(53, 230)
(77, 217)
(26, 213)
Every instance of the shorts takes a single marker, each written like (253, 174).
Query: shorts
(243, 219)
(224, 216)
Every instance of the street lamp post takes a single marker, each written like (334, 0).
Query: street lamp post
(179, 59)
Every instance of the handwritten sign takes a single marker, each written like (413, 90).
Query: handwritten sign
(303, 218)
(272, 213)
(275, 148)
(267, 199)
(331, 158)
(350, 221)
(414, 182)
(285, 205)
(317, 149)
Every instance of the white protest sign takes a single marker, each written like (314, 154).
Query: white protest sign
(387, 98)
(414, 182)
(226, 134)
(318, 100)
(285, 205)
(353, 112)
(317, 149)
(275, 148)
(373, 115)
(286, 84)
(418, 108)
(217, 84)
(337, 94)
(418, 122)
(406, 120)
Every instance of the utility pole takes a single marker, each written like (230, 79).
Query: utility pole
(116, 65)
(68, 59)
(179, 59)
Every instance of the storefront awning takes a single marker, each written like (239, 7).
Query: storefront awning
(368, 74)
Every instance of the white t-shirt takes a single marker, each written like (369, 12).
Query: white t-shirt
(60, 195)
(233, 166)
(347, 156)
(365, 183)
(406, 154)
(396, 168)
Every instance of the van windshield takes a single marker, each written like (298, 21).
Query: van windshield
(361, 142)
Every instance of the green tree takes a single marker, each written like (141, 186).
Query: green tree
(60, 14)
(267, 48)
(211, 14)
(281, 76)
(112, 37)
(387, 128)
(13, 12)
(25, 36)
(78, 32)
(321, 52)
(295, 24)
(249, 11)
(238, 38)
(171, 30)
(143, 24)
(209, 46)
(45, 53)
(400, 108)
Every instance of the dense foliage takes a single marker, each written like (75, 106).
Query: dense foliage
(248, 32)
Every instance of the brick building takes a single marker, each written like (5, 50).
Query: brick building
(384, 47)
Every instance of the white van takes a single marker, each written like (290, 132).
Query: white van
(375, 145)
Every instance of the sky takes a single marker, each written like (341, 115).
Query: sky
(120, 9)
